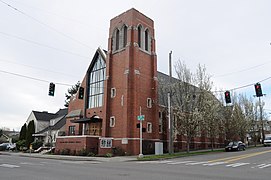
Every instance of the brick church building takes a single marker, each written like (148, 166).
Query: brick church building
(120, 84)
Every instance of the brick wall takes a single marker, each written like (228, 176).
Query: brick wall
(77, 143)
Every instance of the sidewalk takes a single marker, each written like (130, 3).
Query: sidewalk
(72, 158)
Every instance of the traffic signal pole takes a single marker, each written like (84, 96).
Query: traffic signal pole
(258, 90)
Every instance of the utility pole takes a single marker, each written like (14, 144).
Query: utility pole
(170, 122)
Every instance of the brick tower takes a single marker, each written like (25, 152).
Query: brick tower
(131, 82)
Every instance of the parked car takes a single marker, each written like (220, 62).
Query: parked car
(235, 146)
(267, 140)
(3, 147)
(7, 146)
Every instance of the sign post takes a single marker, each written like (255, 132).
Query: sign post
(140, 118)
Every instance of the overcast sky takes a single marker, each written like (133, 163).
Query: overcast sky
(55, 40)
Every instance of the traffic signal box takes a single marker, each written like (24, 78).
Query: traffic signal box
(81, 93)
(51, 89)
(258, 90)
(228, 97)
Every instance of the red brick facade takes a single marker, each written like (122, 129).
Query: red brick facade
(131, 85)
(131, 70)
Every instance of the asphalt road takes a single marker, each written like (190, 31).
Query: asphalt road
(251, 164)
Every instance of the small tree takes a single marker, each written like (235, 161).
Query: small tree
(23, 132)
(30, 132)
(71, 92)
(192, 96)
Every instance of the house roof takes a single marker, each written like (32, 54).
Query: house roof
(60, 118)
(74, 113)
(62, 112)
(43, 116)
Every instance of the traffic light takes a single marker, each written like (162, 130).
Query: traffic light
(228, 97)
(51, 89)
(81, 93)
(258, 90)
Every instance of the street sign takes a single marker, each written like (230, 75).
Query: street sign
(141, 118)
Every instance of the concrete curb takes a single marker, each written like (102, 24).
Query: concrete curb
(73, 158)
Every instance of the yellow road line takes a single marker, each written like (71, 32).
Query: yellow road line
(235, 158)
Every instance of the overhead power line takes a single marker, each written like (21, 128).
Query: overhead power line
(44, 24)
(38, 68)
(33, 78)
(243, 70)
(43, 45)
(241, 87)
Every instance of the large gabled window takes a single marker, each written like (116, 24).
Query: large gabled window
(96, 83)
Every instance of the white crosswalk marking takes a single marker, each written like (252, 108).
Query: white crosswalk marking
(154, 162)
(9, 166)
(265, 166)
(237, 164)
(207, 164)
(32, 164)
(181, 162)
(213, 164)
(196, 163)
(258, 166)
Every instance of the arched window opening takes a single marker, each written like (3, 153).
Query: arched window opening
(117, 39)
(146, 40)
(139, 36)
(124, 36)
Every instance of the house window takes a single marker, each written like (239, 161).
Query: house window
(139, 35)
(52, 122)
(149, 127)
(113, 92)
(97, 77)
(112, 121)
(117, 39)
(147, 40)
(71, 130)
(149, 102)
(124, 36)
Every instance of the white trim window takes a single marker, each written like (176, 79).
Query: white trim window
(149, 127)
(112, 121)
(113, 92)
(149, 102)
